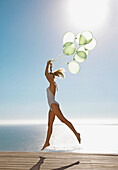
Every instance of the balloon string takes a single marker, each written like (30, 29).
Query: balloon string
(58, 64)
(57, 60)
(53, 59)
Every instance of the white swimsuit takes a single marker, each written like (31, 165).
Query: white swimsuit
(51, 98)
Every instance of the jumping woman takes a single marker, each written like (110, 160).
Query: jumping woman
(54, 106)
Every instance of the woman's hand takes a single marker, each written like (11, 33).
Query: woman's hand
(49, 62)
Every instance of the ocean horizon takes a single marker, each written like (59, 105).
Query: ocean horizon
(98, 136)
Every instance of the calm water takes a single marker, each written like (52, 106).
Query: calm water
(95, 138)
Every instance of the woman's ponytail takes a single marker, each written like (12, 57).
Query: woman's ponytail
(59, 73)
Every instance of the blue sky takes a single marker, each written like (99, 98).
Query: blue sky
(31, 32)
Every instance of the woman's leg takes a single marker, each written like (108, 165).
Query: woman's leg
(51, 117)
(59, 114)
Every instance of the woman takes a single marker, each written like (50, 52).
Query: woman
(54, 106)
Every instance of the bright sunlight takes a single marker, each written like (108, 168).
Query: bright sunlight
(88, 14)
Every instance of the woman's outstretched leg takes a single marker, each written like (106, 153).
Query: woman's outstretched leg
(59, 114)
(51, 118)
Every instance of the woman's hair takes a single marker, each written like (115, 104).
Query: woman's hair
(59, 73)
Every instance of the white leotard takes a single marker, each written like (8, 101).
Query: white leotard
(51, 97)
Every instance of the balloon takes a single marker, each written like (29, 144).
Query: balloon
(85, 38)
(91, 45)
(69, 48)
(82, 48)
(68, 37)
(77, 37)
(73, 67)
(79, 59)
(81, 54)
(70, 44)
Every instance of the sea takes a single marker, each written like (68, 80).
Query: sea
(96, 137)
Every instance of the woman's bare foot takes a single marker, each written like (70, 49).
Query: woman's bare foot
(78, 137)
(46, 144)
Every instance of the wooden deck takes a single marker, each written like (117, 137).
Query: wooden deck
(57, 161)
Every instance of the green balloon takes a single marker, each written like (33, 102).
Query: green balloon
(82, 54)
(69, 48)
(85, 38)
(80, 59)
(82, 40)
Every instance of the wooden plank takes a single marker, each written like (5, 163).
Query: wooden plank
(57, 161)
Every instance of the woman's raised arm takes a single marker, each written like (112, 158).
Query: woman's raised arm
(47, 73)
(46, 70)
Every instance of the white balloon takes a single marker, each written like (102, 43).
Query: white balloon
(73, 67)
(82, 48)
(77, 37)
(91, 45)
(88, 35)
(68, 37)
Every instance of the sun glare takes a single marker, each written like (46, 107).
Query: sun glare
(87, 14)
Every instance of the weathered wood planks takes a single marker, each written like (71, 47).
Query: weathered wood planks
(57, 161)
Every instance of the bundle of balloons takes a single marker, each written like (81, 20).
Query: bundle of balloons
(77, 47)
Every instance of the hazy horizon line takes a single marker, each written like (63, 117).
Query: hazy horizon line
(112, 121)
